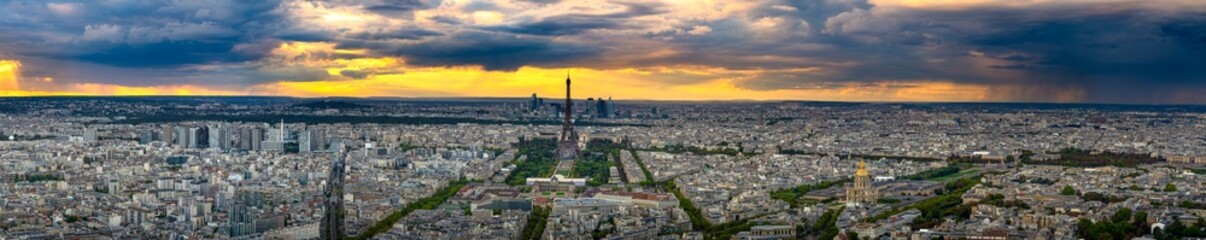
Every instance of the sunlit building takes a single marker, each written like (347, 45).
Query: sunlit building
(861, 191)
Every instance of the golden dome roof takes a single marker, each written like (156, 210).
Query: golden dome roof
(862, 168)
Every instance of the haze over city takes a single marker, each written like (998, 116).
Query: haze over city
(1101, 51)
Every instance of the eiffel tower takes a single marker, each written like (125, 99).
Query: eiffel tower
(567, 146)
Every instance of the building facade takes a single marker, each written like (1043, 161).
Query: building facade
(861, 192)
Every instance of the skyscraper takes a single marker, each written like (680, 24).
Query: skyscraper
(198, 137)
(306, 141)
(534, 103)
(217, 137)
(567, 146)
(601, 109)
(611, 108)
(276, 139)
(257, 138)
(245, 139)
(182, 136)
(146, 136)
(165, 134)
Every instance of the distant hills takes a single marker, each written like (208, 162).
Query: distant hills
(330, 104)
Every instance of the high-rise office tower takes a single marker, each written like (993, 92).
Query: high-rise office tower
(601, 109)
(217, 137)
(165, 134)
(245, 138)
(310, 140)
(198, 137)
(202, 137)
(611, 108)
(276, 139)
(305, 141)
(191, 141)
(224, 139)
(182, 136)
(318, 139)
(533, 103)
(257, 138)
(146, 136)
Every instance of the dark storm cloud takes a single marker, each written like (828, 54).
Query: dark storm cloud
(494, 51)
(405, 34)
(305, 35)
(139, 34)
(572, 24)
(362, 74)
(354, 74)
(1108, 54)
(394, 8)
(1188, 32)
(163, 54)
(560, 25)
(446, 20)
(1120, 48)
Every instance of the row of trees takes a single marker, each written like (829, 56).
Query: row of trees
(1080, 158)
(950, 203)
(792, 195)
(827, 224)
(1192, 205)
(1178, 230)
(537, 221)
(698, 221)
(1037, 180)
(698, 150)
(998, 200)
(1127, 224)
(539, 163)
(596, 161)
(1101, 197)
(1124, 224)
(640, 163)
(37, 177)
(427, 203)
(935, 173)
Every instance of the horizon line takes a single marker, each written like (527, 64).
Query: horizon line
(621, 100)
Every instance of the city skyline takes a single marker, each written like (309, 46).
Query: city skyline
(345, 168)
(1081, 51)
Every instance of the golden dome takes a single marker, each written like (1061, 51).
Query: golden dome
(862, 168)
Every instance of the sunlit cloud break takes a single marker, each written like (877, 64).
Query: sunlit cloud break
(1113, 51)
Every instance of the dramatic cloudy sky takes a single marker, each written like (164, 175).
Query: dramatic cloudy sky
(1114, 51)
